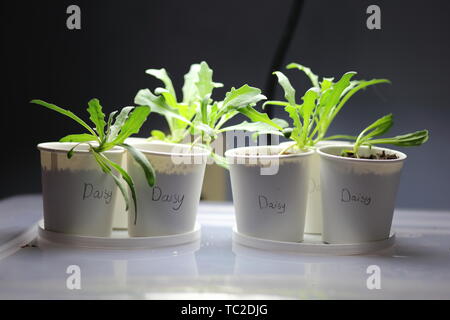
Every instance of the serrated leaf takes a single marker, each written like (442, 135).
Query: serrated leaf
(241, 97)
(314, 78)
(118, 123)
(97, 117)
(133, 124)
(158, 105)
(109, 124)
(190, 94)
(294, 114)
(205, 83)
(162, 75)
(289, 91)
(256, 116)
(168, 97)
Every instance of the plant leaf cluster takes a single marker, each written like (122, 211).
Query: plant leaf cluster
(198, 114)
(319, 106)
(370, 136)
(107, 134)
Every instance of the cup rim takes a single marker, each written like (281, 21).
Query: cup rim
(199, 151)
(232, 153)
(322, 152)
(64, 147)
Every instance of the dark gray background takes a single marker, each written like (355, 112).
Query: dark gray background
(120, 39)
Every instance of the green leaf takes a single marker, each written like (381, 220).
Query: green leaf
(309, 104)
(127, 179)
(204, 110)
(329, 100)
(72, 150)
(118, 124)
(377, 128)
(250, 126)
(168, 97)
(280, 122)
(123, 190)
(314, 78)
(198, 125)
(142, 160)
(162, 75)
(220, 161)
(309, 101)
(104, 166)
(293, 112)
(97, 117)
(242, 97)
(158, 105)
(350, 93)
(83, 137)
(158, 134)
(275, 103)
(66, 113)
(205, 83)
(103, 162)
(338, 88)
(227, 116)
(289, 91)
(256, 116)
(109, 124)
(133, 124)
(406, 140)
(326, 84)
(190, 93)
(340, 137)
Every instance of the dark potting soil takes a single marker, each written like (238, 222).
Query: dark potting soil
(378, 156)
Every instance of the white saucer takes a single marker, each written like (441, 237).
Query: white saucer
(119, 239)
(312, 244)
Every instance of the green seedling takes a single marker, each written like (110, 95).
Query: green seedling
(106, 135)
(368, 137)
(320, 104)
(198, 114)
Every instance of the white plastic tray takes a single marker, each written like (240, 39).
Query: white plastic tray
(312, 244)
(119, 239)
(18, 222)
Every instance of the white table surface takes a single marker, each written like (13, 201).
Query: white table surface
(418, 266)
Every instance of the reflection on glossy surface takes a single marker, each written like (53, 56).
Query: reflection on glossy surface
(416, 267)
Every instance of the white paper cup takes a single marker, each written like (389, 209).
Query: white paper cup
(269, 191)
(358, 195)
(170, 207)
(78, 197)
